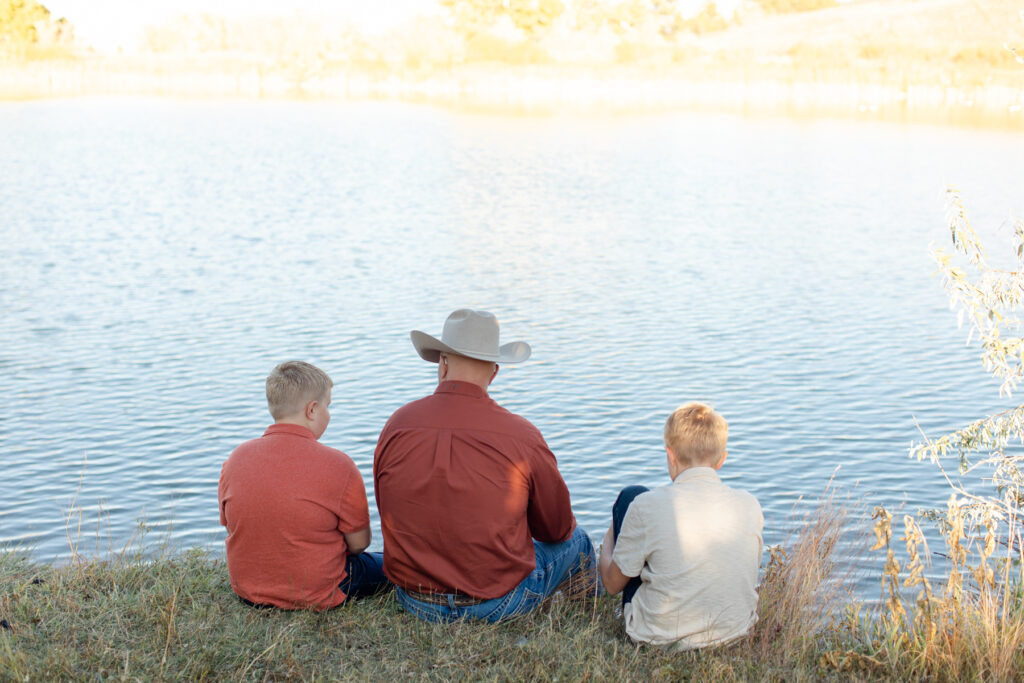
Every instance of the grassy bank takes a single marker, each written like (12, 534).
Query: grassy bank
(175, 618)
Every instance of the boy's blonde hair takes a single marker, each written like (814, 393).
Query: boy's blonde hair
(696, 434)
(293, 384)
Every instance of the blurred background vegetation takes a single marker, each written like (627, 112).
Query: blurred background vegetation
(728, 49)
(27, 30)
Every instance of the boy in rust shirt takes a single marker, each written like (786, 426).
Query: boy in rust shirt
(296, 510)
(474, 512)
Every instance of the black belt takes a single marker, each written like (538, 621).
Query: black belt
(457, 599)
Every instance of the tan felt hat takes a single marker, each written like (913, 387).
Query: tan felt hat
(473, 334)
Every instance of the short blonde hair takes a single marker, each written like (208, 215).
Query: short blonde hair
(293, 384)
(696, 434)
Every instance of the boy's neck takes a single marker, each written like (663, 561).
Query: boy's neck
(299, 421)
(681, 470)
(675, 468)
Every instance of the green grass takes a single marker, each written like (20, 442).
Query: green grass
(177, 619)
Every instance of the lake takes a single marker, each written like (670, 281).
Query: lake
(161, 256)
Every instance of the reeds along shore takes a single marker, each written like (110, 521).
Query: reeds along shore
(969, 99)
(174, 617)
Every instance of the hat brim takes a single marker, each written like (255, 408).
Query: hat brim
(430, 349)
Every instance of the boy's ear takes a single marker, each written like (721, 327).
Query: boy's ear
(311, 408)
(725, 454)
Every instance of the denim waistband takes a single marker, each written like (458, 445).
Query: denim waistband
(454, 599)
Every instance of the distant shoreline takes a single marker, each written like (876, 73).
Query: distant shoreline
(540, 89)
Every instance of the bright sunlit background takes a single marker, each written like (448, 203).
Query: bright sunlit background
(109, 25)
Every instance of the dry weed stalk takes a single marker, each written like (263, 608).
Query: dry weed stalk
(891, 596)
(800, 593)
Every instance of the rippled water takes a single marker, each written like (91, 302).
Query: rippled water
(160, 257)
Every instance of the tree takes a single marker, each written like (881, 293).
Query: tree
(18, 19)
(987, 298)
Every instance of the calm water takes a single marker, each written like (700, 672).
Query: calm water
(160, 257)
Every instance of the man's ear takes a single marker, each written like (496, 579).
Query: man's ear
(494, 374)
(725, 454)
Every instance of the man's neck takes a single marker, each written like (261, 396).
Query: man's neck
(449, 378)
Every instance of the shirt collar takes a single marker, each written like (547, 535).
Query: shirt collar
(462, 388)
(696, 474)
(287, 428)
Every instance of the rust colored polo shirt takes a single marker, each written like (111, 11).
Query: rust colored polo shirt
(287, 500)
(463, 487)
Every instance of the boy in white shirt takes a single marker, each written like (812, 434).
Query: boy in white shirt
(686, 556)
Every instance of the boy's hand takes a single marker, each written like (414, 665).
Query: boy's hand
(611, 576)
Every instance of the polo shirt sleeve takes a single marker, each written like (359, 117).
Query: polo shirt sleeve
(630, 553)
(549, 512)
(353, 510)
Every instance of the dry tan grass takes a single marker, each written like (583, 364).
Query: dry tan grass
(970, 627)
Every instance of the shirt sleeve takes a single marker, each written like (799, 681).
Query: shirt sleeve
(378, 454)
(630, 553)
(221, 503)
(353, 509)
(549, 512)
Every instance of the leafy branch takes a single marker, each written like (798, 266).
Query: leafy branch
(987, 299)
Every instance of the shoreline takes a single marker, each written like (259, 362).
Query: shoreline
(794, 93)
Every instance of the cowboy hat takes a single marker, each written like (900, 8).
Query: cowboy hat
(473, 334)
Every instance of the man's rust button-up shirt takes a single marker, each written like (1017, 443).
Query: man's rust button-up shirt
(463, 487)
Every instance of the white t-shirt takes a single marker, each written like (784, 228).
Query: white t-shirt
(696, 545)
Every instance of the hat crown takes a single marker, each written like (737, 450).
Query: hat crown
(474, 331)
(469, 333)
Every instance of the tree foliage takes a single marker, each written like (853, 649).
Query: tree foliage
(786, 6)
(532, 17)
(988, 298)
(665, 17)
(18, 20)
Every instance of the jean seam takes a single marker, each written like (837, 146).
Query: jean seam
(501, 606)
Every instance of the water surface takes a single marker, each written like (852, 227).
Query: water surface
(160, 257)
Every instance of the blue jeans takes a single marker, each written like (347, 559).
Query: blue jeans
(555, 562)
(365, 576)
(622, 503)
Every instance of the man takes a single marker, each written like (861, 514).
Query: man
(474, 512)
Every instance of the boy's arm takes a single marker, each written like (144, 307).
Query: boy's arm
(611, 576)
(353, 511)
(357, 541)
